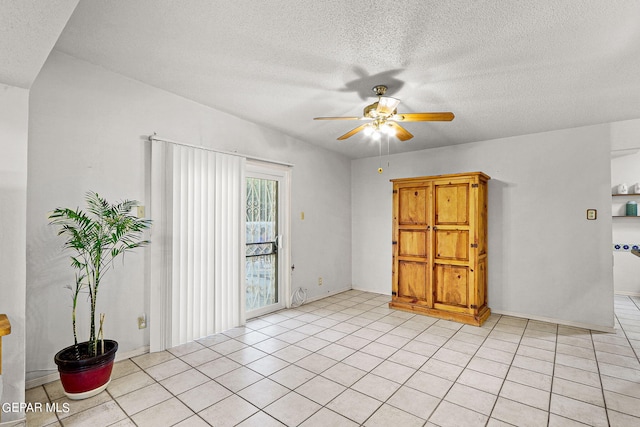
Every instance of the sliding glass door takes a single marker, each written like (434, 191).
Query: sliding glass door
(265, 230)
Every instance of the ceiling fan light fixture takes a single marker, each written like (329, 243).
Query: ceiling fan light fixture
(387, 106)
(368, 130)
(389, 130)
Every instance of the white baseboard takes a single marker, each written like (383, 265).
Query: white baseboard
(373, 292)
(592, 327)
(133, 353)
(627, 294)
(598, 328)
(45, 379)
(54, 376)
(328, 294)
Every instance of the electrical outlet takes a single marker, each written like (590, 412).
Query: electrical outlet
(319, 281)
(142, 322)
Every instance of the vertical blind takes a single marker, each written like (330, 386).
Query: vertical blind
(197, 255)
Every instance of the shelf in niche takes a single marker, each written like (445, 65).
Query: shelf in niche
(626, 195)
(625, 216)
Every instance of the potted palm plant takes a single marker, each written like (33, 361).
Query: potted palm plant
(96, 237)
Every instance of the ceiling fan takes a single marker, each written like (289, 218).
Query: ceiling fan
(383, 117)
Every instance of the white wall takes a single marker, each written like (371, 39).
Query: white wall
(14, 110)
(546, 261)
(625, 167)
(86, 133)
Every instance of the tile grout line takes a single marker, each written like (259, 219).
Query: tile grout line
(316, 374)
(371, 341)
(118, 404)
(553, 374)
(465, 367)
(595, 354)
(156, 382)
(385, 359)
(214, 380)
(341, 361)
(355, 351)
(515, 353)
(429, 358)
(625, 332)
(50, 401)
(294, 363)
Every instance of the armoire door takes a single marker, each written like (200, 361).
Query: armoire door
(454, 212)
(412, 269)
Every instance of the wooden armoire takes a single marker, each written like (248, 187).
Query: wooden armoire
(440, 246)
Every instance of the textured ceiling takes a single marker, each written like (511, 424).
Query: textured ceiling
(503, 67)
(28, 31)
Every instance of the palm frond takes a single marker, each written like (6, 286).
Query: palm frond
(98, 236)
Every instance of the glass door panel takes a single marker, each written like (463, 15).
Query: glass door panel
(262, 242)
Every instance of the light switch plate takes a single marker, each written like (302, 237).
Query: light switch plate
(592, 214)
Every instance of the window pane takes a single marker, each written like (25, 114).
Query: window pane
(261, 250)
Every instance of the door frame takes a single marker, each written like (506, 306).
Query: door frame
(282, 174)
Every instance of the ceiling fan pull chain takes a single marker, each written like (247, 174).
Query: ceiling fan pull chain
(388, 151)
(380, 154)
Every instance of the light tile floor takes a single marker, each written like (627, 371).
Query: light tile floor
(349, 360)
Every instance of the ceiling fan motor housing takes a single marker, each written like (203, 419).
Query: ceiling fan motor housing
(379, 90)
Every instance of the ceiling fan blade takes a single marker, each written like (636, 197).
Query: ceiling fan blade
(401, 133)
(387, 105)
(353, 131)
(336, 118)
(424, 117)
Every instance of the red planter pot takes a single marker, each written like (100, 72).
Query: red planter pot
(84, 377)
